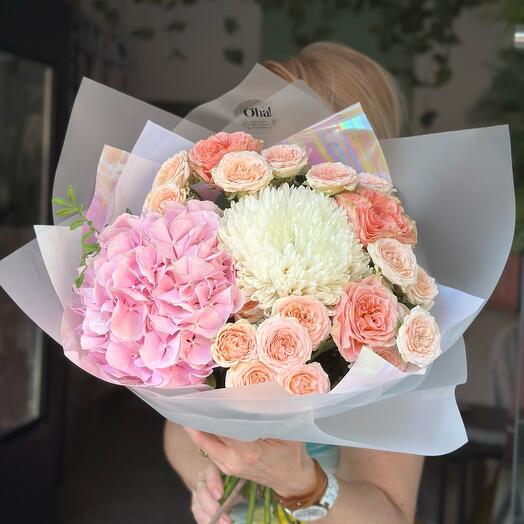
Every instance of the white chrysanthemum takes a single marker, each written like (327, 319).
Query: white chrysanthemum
(292, 241)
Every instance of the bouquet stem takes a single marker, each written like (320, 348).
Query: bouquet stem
(267, 504)
(251, 501)
(232, 488)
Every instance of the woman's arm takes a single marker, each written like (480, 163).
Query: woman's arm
(199, 474)
(183, 455)
(376, 487)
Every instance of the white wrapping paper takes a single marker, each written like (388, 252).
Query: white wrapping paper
(458, 187)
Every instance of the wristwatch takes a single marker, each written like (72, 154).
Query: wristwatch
(315, 505)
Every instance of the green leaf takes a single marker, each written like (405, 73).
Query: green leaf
(442, 75)
(231, 196)
(230, 25)
(514, 11)
(86, 237)
(177, 26)
(440, 58)
(301, 40)
(222, 201)
(112, 17)
(426, 119)
(65, 212)
(178, 54)
(234, 55)
(75, 224)
(71, 194)
(144, 33)
(80, 279)
(59, 201)
(323, 32)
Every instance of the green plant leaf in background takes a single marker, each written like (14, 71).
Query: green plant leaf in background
(514, 11)
(143, 33)
(442, 75)
(230, 25)
(178, 54)
(234, 55)
(176, 26)
(518, 240)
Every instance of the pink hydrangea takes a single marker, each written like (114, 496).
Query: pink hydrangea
(154, 297)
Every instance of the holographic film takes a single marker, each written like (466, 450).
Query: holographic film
(344, 137)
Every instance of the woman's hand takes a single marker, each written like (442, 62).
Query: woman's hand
(282, 465)
(206, 495)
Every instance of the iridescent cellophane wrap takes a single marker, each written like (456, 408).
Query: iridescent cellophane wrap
(346, 137)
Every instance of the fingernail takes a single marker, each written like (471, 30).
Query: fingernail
(223, 520)
(216, 493)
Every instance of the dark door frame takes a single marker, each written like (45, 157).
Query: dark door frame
(30, 457)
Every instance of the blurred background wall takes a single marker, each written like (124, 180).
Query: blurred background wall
(76, 450)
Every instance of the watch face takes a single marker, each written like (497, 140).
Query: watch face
(310, 513)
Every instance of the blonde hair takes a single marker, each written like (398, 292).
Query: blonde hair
(342, 76)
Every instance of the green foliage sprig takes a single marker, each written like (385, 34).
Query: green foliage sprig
(69, 207)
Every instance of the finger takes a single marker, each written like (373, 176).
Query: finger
(208, 503)
(214, 481)
(200, 515)
(213, 446)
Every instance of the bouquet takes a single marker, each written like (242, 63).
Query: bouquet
(257, 285)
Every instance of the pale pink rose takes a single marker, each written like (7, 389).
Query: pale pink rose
(283, 343)
(234, 343)
(307, 379)
(250, 312)
(377, 215)
(248, 373)
(367, 314)
(418, 339)
(309, 311)
(332, 177)
(206, 154)
(160, 199)
(392, 356)
(242, 172)
(154, 297)
(285, 160)
(378, 183)
(174, 170)
(396, 261)
(423, 291)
